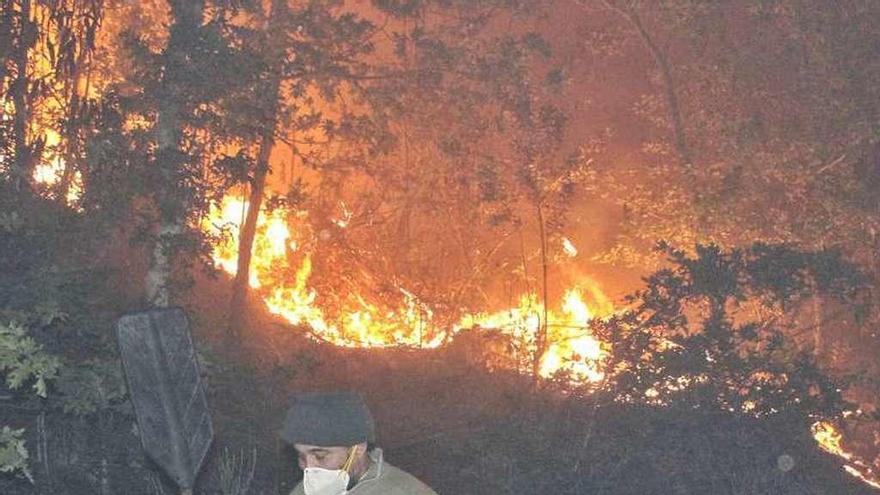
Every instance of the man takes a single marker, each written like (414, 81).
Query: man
(332, 433)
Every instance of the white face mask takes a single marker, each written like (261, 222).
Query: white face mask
(318, 481)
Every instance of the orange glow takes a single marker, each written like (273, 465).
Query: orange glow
(270, 243)
(46, 112)
(50, 169)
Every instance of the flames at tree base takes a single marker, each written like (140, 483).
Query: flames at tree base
(361, 322)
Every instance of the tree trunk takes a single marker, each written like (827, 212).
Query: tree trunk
(248, 231)
(81, 71)
(158, 277)
(43, 445)
(241, 286)
(541, 337)
(818, 315)
(72, 151)
(672, 104)
(818, 341)
(170, 202)
(23, 160)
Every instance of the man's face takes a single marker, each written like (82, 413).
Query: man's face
(313, 456)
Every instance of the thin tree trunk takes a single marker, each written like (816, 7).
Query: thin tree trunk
(169, 128)
(8, 21)
(818, 316)
(673, 108)
(168, 132)
(241, 285)
(71, 131)
(541, 337)
(873, 292)
(43, 444)
(158, 277)
(818, 341)
(19, 89)
(73, 151)
(522, 364)
(105, 476)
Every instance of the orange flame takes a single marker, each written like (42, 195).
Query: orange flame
(50, 169)
(270, 243)
(362, 323)
(571, 348)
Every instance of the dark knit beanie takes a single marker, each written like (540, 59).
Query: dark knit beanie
(328, 419)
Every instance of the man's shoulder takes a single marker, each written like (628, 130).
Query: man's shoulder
(396, 481)
(298, 489)
(403, 478)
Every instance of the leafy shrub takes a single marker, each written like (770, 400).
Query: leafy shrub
(710, 331)
(13, 453)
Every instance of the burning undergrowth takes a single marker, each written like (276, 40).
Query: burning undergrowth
(282, 267)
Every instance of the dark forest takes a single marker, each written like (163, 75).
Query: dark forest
(602, 247)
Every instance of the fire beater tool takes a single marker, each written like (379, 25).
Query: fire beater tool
(167, 391)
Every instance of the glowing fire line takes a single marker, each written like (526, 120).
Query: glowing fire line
(364, 324)
(829, 439)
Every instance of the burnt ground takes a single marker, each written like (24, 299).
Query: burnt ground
(442, 416)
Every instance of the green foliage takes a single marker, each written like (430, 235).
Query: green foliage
(709, 331)
(10, 221)
(13, 453)
(94, 386)
(54, 306)
(22, 359)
